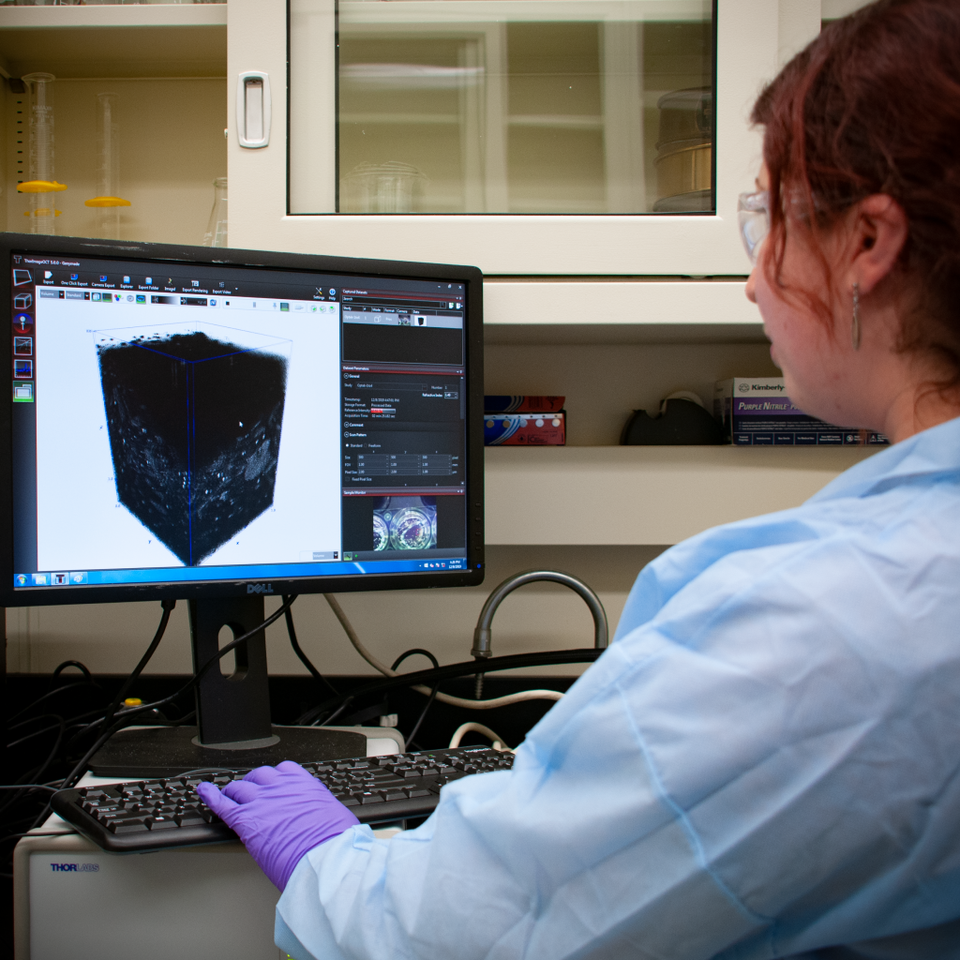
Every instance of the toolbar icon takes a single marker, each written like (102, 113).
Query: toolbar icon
(23, 301)
(21, 277)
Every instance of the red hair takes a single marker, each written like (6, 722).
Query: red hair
(872, 106)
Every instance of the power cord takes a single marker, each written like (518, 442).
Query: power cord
(498, 742)
(427, 691)
(448, 672)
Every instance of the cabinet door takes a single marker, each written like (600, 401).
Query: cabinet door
(285, 195)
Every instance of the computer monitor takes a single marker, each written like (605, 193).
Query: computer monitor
(219, 425)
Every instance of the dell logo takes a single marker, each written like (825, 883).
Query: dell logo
(259, 588)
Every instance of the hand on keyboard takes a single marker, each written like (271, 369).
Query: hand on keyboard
(280, 813)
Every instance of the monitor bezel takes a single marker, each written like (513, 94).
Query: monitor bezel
(470, 276)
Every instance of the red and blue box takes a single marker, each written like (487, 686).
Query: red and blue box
(524, 421)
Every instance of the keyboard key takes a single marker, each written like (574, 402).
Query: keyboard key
(190, 819)
(127, 827)
(161, 823)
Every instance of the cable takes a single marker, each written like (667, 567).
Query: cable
(53, 693)
(128, 718)
(419, 651)
(448, 672)
(167, 607)
(60, 723)
(413, 652)
(28, 786)
(304, 659)
(37, 773)
(416, 727)
(73, 663)
(426, 691)
(498, 742)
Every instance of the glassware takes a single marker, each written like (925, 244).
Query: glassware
(390, 187)
(107, 201)
(216, 235)
(41, 187)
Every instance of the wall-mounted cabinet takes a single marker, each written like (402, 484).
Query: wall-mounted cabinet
(167, 66)
(538, 129)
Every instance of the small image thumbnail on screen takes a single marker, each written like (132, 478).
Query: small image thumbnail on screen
(405, 523)
(377, 527)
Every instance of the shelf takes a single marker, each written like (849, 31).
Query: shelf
(146, 40)
(555, 121)
(590, 310)
(645, 495)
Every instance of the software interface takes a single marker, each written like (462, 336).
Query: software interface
(203, 422)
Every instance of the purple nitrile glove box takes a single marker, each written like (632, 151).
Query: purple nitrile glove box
(756, 412)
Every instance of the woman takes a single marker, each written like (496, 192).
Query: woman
(766, 762)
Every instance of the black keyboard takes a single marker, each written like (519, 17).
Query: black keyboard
(144, 815)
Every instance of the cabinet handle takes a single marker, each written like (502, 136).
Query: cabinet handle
(253, 109)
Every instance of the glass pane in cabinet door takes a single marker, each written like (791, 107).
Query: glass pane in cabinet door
(505, 106)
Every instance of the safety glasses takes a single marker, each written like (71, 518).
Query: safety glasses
(753, 214)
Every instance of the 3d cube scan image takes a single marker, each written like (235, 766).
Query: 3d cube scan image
(194, 414)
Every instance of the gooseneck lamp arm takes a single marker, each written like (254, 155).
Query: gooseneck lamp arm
(482, 635)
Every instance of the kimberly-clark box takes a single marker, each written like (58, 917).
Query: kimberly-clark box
(525, 429)
(755, 411)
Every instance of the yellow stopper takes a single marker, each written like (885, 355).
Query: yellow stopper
(40, 186)
(132, 702)
(106, 202)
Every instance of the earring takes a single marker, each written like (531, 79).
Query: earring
(855, 330)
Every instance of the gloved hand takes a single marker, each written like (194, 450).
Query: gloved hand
(279, 813)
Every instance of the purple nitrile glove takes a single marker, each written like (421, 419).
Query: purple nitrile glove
(280, 813)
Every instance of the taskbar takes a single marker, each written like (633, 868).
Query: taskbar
(258, 574)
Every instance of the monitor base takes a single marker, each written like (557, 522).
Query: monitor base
(150, 752)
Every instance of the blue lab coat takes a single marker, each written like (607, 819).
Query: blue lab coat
(765, 763)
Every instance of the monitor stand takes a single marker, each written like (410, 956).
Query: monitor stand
(233, 712)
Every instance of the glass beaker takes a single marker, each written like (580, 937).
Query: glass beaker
(216, 235)
(390, 187)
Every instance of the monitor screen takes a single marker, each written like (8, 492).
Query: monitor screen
(187, 423)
